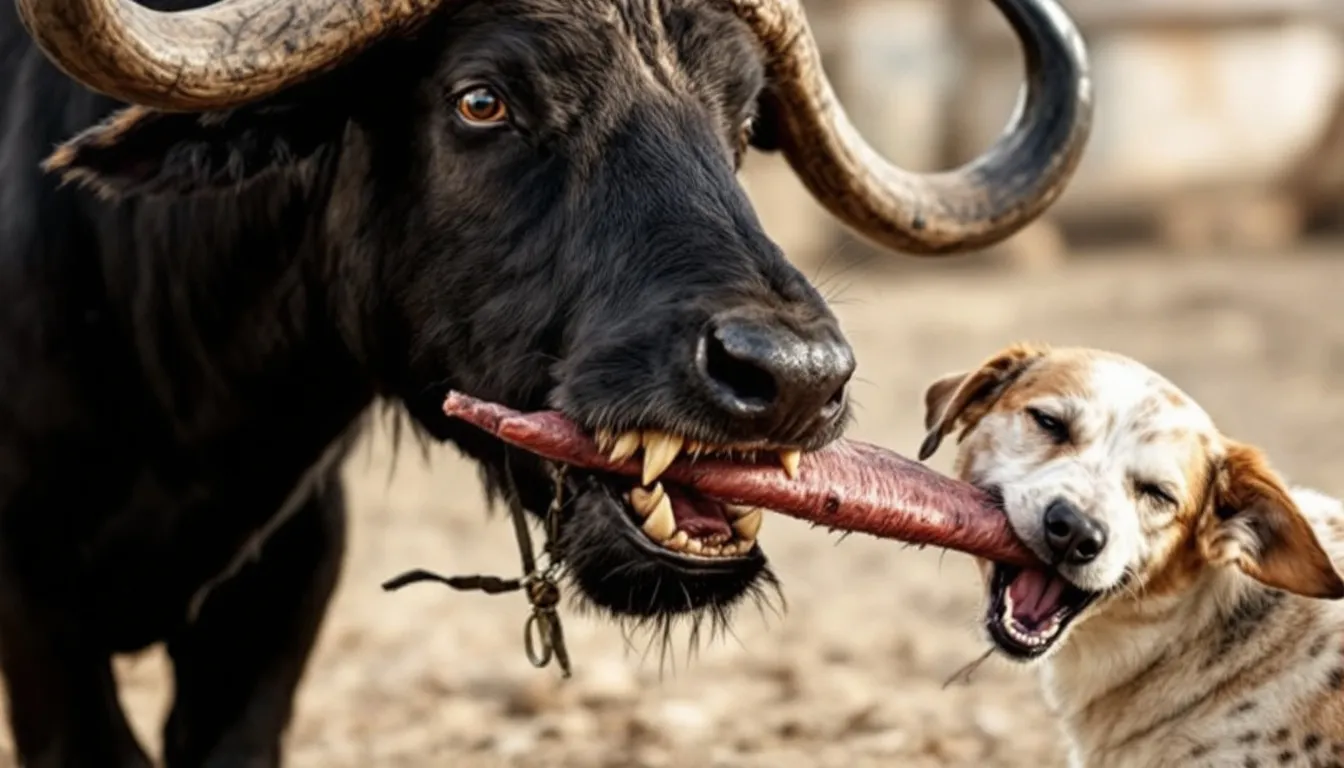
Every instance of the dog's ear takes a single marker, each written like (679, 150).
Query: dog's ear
(966, 397)
(1259, 528)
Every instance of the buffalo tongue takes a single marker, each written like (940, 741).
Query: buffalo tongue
(847, 486)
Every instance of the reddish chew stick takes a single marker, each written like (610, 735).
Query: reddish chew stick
(848, 486)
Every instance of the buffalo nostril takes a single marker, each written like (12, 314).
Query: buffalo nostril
(835, 402)
(749, 384)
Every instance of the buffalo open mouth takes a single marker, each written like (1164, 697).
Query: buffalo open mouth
(717, 496)
(676, 517)
(1029, 609)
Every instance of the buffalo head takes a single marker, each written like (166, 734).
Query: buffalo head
(534, 202)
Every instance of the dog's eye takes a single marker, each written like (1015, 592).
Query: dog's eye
(1052, 426)
(1155, 492)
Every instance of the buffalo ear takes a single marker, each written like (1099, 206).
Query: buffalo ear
(967, 397)
(1260, 529)
(143, 151)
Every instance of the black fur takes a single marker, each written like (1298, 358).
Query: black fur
(215, 301)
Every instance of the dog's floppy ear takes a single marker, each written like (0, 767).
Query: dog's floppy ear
(967, 397)
(1259, 528)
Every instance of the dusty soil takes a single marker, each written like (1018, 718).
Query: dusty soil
(853, 672)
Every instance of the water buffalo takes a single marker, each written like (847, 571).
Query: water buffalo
(226, 231)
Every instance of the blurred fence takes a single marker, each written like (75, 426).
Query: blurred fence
(1219, 123)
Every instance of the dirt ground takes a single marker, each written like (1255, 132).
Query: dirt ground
(852, 674)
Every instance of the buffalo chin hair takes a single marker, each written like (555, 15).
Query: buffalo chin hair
(619, 579)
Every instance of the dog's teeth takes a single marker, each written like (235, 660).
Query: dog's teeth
(748, 525)
(604, 440)
(695, 547)
(660, 524)
(660, 450)
(623, 447)
(713, 551)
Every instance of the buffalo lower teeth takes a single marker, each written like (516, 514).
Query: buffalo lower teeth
(656, 508)
(749, 525)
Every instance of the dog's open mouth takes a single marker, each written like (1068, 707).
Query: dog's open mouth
(1029, 608)
(700, 501)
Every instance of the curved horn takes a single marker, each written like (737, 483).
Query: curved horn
(976, 205)
(216, 57)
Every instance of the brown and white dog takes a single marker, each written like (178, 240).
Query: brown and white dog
(1187, 616)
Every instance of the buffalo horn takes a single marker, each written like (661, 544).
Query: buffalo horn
(974, 206)
(212, 58)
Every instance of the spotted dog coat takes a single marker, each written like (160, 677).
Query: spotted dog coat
(1209, 632)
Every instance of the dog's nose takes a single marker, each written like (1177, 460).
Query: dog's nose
(1073, 537)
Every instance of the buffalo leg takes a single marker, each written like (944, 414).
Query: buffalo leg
(62, 695)
(237, 666)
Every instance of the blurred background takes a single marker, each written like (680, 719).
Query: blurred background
(1200, 235)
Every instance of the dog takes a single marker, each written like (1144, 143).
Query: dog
(1185, 612)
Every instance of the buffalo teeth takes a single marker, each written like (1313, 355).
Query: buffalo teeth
(791, 458)
(748, 525)
(660, 450)
(659, 523)
(736, 510)
(623, 447)
(646, 500)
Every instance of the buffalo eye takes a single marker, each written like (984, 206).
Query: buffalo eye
(481, 107)
(1051, 425)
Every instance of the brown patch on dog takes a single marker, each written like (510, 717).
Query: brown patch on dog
(1257, 526)
(1179, 565)
(1004, 382)
(1244, 516)
(1325, 716)
(1175, 397)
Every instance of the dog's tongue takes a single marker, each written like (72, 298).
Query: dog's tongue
(1036, 595)
(847, 486)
